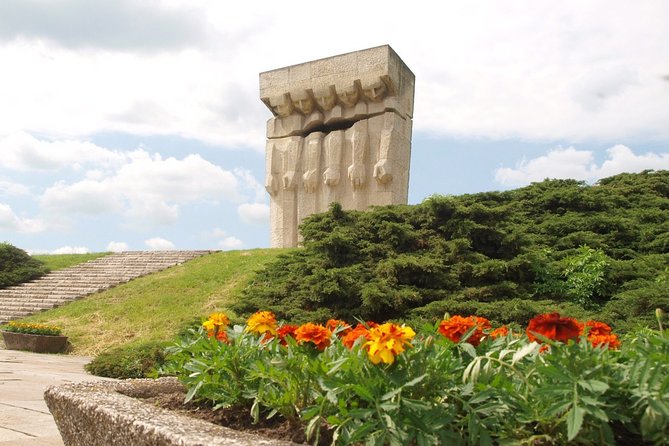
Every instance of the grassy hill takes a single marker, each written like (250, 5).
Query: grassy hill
(158, 306)
(55, 262)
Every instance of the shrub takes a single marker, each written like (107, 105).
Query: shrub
(130, 361)
(16, 266)
(558, 240)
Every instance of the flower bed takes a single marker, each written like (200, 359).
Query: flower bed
(36, 338)
(460, 381)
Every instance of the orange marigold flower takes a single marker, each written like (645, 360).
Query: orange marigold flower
(284, 331)
(334, 324)
(262, 322)
(611, 341)
(349, 338)
(599, 334)
(596, 328)
(386, 341)
(499, 332)
(315, 333)
(456, 326)
(222, 336)
(553, 326)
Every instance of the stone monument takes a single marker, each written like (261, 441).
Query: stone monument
(341, 132)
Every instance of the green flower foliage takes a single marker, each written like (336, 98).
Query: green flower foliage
(16, 266)
(590, 251)
(505, 391)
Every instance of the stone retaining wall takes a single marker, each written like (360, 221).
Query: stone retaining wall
(106, 413)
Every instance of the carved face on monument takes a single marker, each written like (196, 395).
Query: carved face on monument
(326, 98)
(349, 96)
(281, 105)
(375, 91)
(302, 102)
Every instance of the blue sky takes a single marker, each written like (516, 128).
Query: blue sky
(145, 131)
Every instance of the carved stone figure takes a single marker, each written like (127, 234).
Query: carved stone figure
(341, 132)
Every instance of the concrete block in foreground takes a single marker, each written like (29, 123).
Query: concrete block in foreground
(107, 413)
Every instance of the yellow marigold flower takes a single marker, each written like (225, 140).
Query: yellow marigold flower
(216, 320)
(216, 325)
(262, 322)
(386, 341)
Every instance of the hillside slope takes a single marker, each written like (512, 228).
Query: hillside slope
(156, 307)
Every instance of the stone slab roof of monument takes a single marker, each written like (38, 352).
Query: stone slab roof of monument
(338, 72)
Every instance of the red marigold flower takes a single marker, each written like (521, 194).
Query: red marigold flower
(315, 333)
(284, 331)
(349, 338)
(499, 332)
(553, 326)
(334, 324)
(456, 326)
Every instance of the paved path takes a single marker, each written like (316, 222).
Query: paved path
(24, 418)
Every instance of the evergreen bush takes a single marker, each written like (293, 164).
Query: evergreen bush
(559, 245)
(16, 266)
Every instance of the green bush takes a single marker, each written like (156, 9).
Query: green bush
(16, 266)
(130, 361)
(586, 248)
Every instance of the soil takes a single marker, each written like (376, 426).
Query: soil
(238, 418)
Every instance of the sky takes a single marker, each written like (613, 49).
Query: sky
(137, 124)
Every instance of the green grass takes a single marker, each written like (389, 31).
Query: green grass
(156, 307)
(59, 261)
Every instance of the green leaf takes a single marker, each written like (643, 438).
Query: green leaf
(574, 422)
(311, 427)
(363, 392)
(468, 348)
(336, 365)
(524, 351)
(594, 385)
(192, 391)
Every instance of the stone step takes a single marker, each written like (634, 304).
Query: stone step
(63, 286)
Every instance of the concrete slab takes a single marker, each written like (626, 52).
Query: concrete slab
(25, 419)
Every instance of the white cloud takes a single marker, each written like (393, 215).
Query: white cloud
(85, 197)
(13, 189)
(217, 233)
(159, 244)
(12, 222)
(230, 243)
(254, 213)
(71, 250)
(250, 182)
(552, 73)
(22, 151)
(571, 163)
(117, 246)
(145, 189)
(121, 24)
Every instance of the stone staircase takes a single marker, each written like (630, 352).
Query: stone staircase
(66, 285)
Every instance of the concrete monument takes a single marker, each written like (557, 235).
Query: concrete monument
(341, 131)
